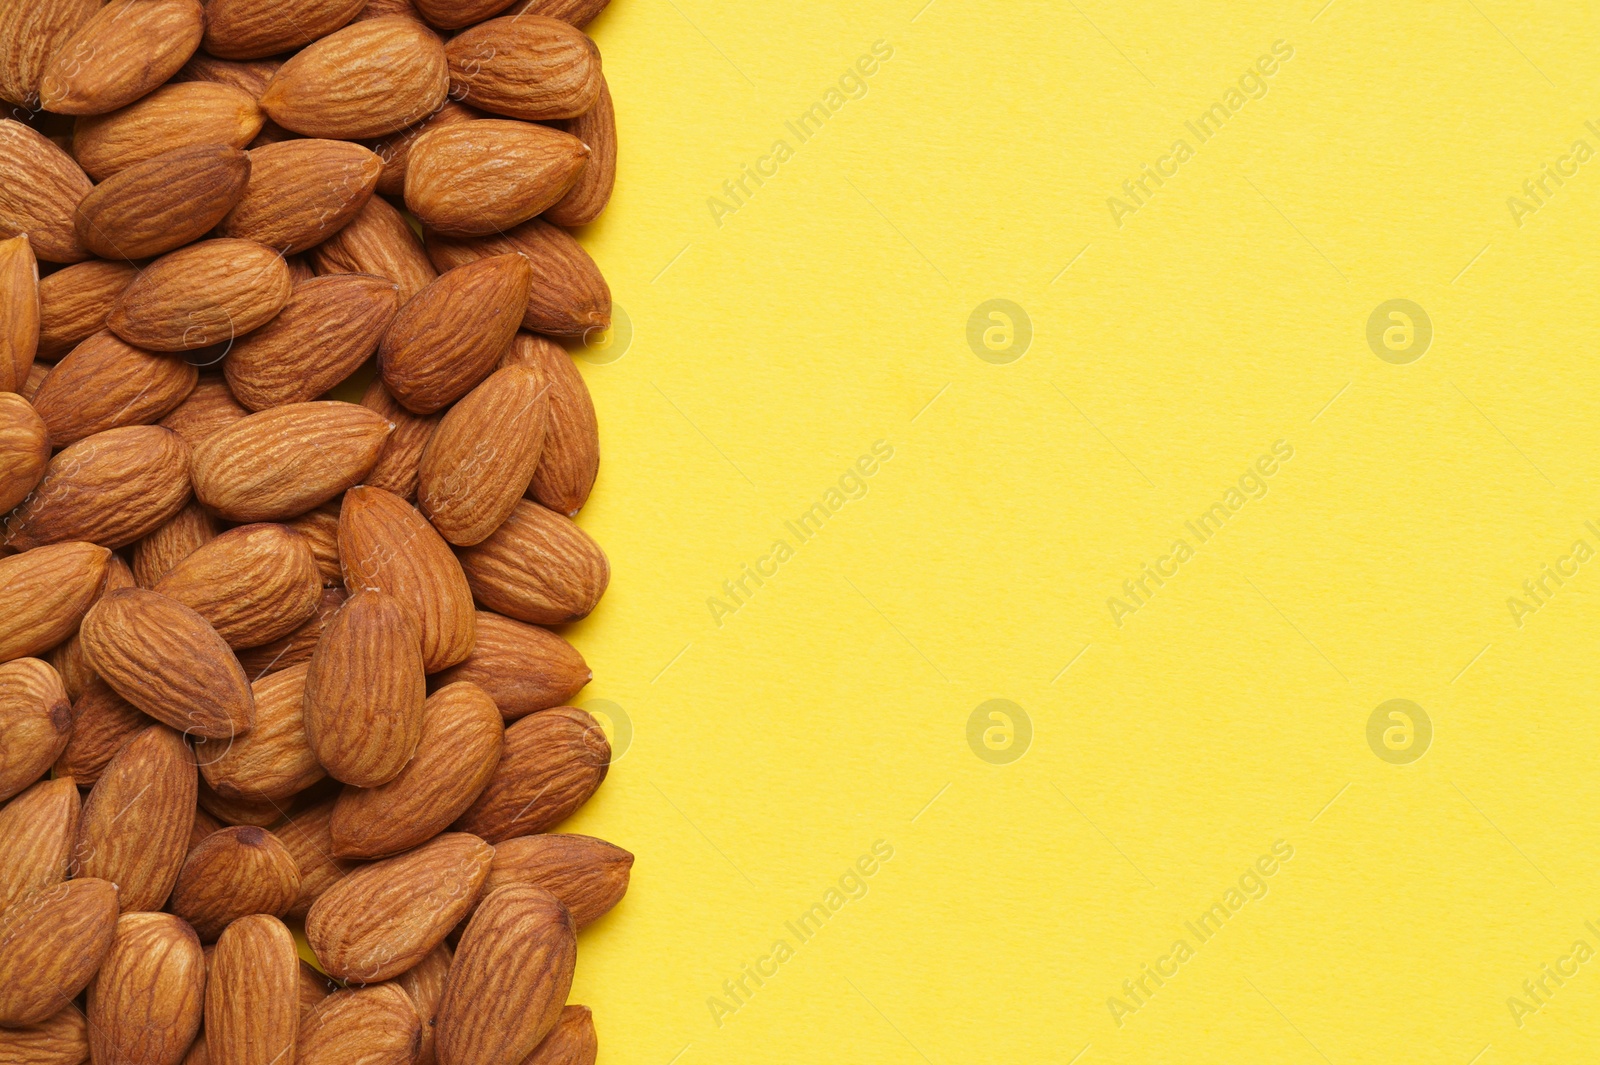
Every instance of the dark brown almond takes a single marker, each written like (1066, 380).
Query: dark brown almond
(102, 724)
(525, 66)
(523, 668)
(39, 186)
(146, 1003)
(476, 178)
(106, 383)
(305, 832)
(588, 875)
(254, 583)
(294, 649)
(567, 296)
(301, 192)
(51, 944)
(250, 29)
(571, 456)
(19, 310)
(25, 450)
(271, 762)
(134, 829)
(377, 241)
(173, 116)
(366, 80)
(537, 567)
(45, 592)
(162, 203)
(74, 302)
(37, 829)
(597, 128)
(232, 874)
(129, 48)
(184, 534)
(206, 293)
(553, 761)
(209, 408)
(35, 720)
(253, 994)
(397, 467)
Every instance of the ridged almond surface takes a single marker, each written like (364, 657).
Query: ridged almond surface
(102, 724)
(365, 690)
(167, 660)
(35, 720)
(314, 987)
(162, 203)
(251, 75)
(67, 656)
(110, 488)
(294, 649)
(395, 149)
(39, 186)
(526, 66)
(51, 943)
(301, 192)
(577, 12)
(385, 8)
(377, 241)
(25, 450)
(385, 545)
(74, 302)
(250, 29)
(597, 128)
(537, 567)
(106, 383)
(44, 594)
(454, 14)
(146, 1003)
(134, 829)
(305, 833)
(523, 668)
(128, 49)
(462, 737)
(571, 457)
(175, 115)
(261, 813)
(588, 875)
(30, 33)
(553, 761)
(184, 533)
(36, 833)
(329, 327)
(450, 336)
(19, 310)
(252, 994)
(210, 407)
(62, 1039)
(571, 1042)
(321, 527)
(363, 1026)
(272, 761)
(568, 297)
(254, 583)
(205, 293)
(231, 874)
(284, 461)
(366, 80)
(204, 825)
(520, 947)
(424, 982)
(481, 177)
(397, 467)
(481, 457)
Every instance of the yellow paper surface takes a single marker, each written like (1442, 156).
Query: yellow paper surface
(1149, 755)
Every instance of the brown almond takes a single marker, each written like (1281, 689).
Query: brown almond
(250, 29)
(476, 178)
(571, 1042)
(385, 545)
(35, 379)
(67, 656)
(366, 80)
(314, 987)
(184, 534)
(251, 75)
(384, 8)
(395, 149)
(449, 336)
(164, 202)
(537, 567)
(294, 649)
(206, 293)
(25, 449)
(208, 409)
(74, 302)
(424, 982)
(577, 12)
(371, 1025)
(397, 466)
(260, 813)
(385, 917)
(102, 724)
(252, 994)
(254, 583)
(329, 327)
(567, 297)
(19, 310)
(321, 528)
(525, 66)
(106, 383)
(231, 874)
(377, 241)
(29, 35)
(44, 594)
(134, 829)
(146, 1002)
(455, 14)
(39, 186)
(597, 128)
(588, 875)
(35, 720)
(51, 943)
(571, 456)
(305, 833)
(128, 49)
(301, 192)
(553, 761)
(173, 116)
(62, 1039)
(523, 668)
(36, 833)
(271, 762)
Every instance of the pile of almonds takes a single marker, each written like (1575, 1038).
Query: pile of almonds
(272, 662)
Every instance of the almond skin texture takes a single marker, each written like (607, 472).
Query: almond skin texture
(67, 656)
(44, 594)
(209, 408)
(588, 875)
(321, 527)
(509, 979)
(462, 737)
(301, 192)
(62, 1039)
(553, 761)
(51, 943)
(128, 49)
(571, 457)
(231, 874)
(145, 1004)
(377, 241)
(36, 833)
(254, 583)
(110, 488)
(577, 12)
(19, 310)
(173, 116)
(568, 297)
(528, 67)
(523, 668)
(397, 466)
(162, 203)
(260, 814)
(395, 149)
(386, 546)
(306, 834)
(25, 450)
(39, 186)
(368, 79)
(424, 982)
(294, 649)
(106, 383)
(183, 534)
(329, 327)
(589, 195)
(252, 994)
(271, 762)
(35, 720)
(571, 1042)
(29, 35)
(135, 824)
(367, 1026)
(206, 293)
(74, 302)
(364, 691)
(314, 987)
(483, 454)
(454, 14)
(481, 177)
(385, 917)
(284, 461)
(250, 29)
(449, 337)
(167, 660)
(251, 75)
(102, 724)
(537, 567)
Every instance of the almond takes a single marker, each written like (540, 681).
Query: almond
(397, 466)
(364, 691)
(51, 943)
(482, 177)
(36, 833)
(204, 825)
(35, 720)
(231, 874)
(29, 35)
(368, 79)
(106, 383)
(173, 116)
(202, 294)
(321, 528)
(39, 186)
(19, 310)
(164, 202)
(25, 450)
(385, 545)
(62, 1039)
(294, 649)
(537, 567)
(45, 592)
(571, 1042)
(571, 456)
(67, 656)
(449, 336)
(520, 947)
(588, 875)
(35, 379)
(110, 488)
(395, 149)
(285, 460)
(145, 1004)
(164, 658)
(523, 668)
(301, 192)
(184, 534)
(596, 128)
(252, 994)
(250, 29)
(553, 761)
(460, 747)
(251, 75)
(209, 408)
(128, 49)
(329, 327)
(74, 302)
(383, 8)
(377, 241)
(314, 987)
(306, 834)
(370, 1026)
(455, 14)
(578, 12)
(253, 583)
(568, 297)
(134, 829)
(102, 724)
(271, 762)
(259, 813)
(384, 918)
(424, 982)
(525, 66)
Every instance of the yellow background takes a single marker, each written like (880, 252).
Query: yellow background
(1229, 312)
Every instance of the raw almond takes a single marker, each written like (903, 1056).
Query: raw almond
(385, 917)
(35, 720)
(314, 987)
(231, 874)
(184, 534)
(306, 834)
(578, 12)
(285, 460)
(19, 310)
(51, 943)
(102, 724)
(329, 327)
(424, 982)
(321, 528)
(210, 407)
(571, 456)
(167, 660)
(74, 302)
(395, 149)
(571, 1042)
(45, 592)
(475, 178)
(454, 14)
(134, 829)
(301, 192)
(588, 875)
(294, 649)
(553, 761)
(537, 567)
(254, 583)
(62, 1039)
(385, 545)
(146, 1003)
(449, 336)
(30, 33)
(173, 116)
(106, 383)
(36, 833)
(67, 656)
(164, 202)
(25, 449)
(363, 1026)
(252, 994)
(250, 29)
(384, 8)
(523, 668)
(397, 466)
(35, 379)
(205, 293)
(260, 813)
(271, 762)
(377, 241)
(568, 297)
(368, 79)
(39, 186)
(597, 128)
(251, 75)
(525, 66)
(129, 48)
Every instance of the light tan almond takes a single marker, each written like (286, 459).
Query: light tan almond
(553, 761)
(523, 668)
(571, 1042)
(301, 192)
(102, 724)
(134, 829)
(588, 875)
(597, 128)
(424, 982)
(377, 241)
(537, 567)
(362, 1026)
(476, 178)
(321, 528)
(39, 186)
(578, 12)
(397, 466)
(366, 80)
(209, 408)
(251, 75)
(526, 66)
(62, 1039)
(25, 450)
(74, 302)
(567, 297)
(164, 202)
(36, 833)
(250, 29)
(51, 943)
(271, 762)
(173, 116)
(206, 293)
(19, 310)
(146, 1003)
(30, 33)
(252, 994)
(305, 833)
(35, 720)
(395, 149)
(105, 383)
(183, 535)
(44, 594)
(254, 583)
(571, 457)
(231, 874)
(128, 49)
